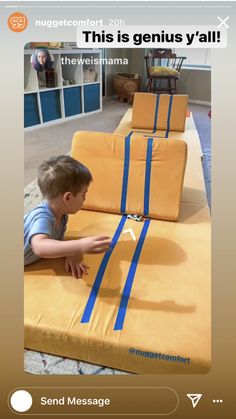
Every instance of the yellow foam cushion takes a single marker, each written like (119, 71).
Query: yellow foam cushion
(169, 305)
(167, 114)
(104, 155)
(163, 71)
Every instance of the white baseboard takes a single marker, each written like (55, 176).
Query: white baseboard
(195, 102)
(199, 102)
(106, 98)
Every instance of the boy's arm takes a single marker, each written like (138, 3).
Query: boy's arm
(45, 247)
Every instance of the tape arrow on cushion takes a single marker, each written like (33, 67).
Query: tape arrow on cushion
(129, 230)
(130, 279)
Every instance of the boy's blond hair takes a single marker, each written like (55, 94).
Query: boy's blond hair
(62, 174)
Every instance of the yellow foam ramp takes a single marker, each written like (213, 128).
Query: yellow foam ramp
(194, 185)
(166, 327)
(159, 112)
(112, 158)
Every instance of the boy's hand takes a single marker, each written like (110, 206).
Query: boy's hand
(95, 244)
(74, 265)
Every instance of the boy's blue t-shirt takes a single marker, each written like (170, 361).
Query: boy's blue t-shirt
(41, 220)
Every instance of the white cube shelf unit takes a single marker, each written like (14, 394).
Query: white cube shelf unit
(76, 91)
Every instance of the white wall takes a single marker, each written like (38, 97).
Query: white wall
(196, 83)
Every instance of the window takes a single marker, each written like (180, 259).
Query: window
(195, 57)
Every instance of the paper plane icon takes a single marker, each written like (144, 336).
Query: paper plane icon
(194, 398)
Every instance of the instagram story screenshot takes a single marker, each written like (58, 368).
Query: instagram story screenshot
(118, 230)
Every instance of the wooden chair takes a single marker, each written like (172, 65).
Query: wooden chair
(163, 64)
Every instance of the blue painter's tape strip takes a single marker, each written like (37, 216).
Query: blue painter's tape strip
(148, 176)
(156, 113)
(169, 116)
(96, 285)
(130, 278)
(125, 173)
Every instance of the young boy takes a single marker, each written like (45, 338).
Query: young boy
(63, 182)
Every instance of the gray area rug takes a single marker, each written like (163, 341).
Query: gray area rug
(203, 125)
(45, 364)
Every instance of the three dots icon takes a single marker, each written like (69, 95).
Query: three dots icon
(217, 401)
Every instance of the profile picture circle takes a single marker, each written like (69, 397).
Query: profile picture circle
(17, 22)
(41, 59)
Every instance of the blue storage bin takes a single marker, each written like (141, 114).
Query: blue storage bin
(31, 111)
(72, 101)
(91, 97)
(50, 104)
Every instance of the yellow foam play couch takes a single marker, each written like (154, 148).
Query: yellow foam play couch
(144, 307)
